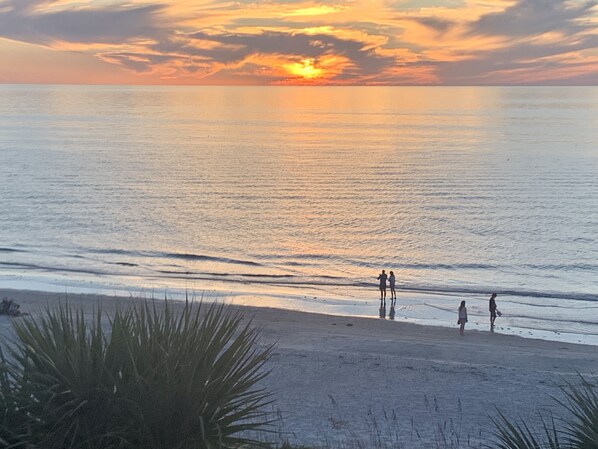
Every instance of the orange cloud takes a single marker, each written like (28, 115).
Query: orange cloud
(317, 10)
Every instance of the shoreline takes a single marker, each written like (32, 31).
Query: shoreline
(339, 379)
(546, 320)
(36, 298)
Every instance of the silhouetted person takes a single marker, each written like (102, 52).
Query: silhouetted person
(493, 311)
(462, 317)
(382, 278)
(393, 293)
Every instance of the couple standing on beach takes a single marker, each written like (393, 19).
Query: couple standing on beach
(491, 307)
(382, 277)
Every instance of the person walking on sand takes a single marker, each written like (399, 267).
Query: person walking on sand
(493, 311)
(462, 317)
(393, 293)
(382, 278)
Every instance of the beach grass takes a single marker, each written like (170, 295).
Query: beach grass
(575, 428)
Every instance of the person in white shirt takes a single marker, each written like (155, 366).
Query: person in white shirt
(393, 293)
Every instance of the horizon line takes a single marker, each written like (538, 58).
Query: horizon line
(24, 83)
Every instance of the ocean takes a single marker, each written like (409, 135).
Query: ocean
(297, 197)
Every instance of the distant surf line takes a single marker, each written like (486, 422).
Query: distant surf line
(290, 280)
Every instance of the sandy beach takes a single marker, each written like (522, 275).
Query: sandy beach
(344, 380)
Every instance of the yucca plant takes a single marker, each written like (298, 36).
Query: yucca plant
(156, 379)
(13, 419)
(582, 404)
(518, 435)
(578, 427)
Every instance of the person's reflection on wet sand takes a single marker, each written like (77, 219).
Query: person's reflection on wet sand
(383, 311)
(391, 315)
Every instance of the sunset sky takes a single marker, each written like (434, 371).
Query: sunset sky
(377, 42)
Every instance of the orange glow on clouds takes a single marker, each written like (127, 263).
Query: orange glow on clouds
(305, 69)
(315, 10)
(301, 42)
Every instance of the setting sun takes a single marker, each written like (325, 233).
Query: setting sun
(306, 69)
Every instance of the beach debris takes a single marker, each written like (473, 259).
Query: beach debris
(10, 307)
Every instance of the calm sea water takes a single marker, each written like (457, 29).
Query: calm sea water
(298, 197)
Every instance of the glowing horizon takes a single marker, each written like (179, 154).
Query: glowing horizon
(300, 42)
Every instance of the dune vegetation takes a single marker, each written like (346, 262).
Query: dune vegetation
(145, 377)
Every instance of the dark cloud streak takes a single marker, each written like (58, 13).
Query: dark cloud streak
(483, 68)
(533, 17)
(19, 21)
(438, 25)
